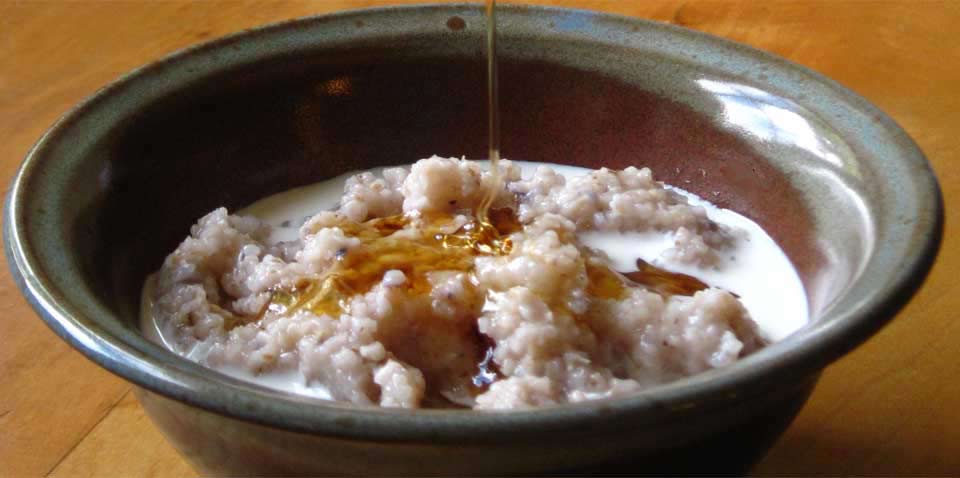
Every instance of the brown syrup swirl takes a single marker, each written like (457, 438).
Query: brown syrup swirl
(396, 243)
(604, 283)
(664, 282)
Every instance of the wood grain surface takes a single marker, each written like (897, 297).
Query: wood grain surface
(890, 407)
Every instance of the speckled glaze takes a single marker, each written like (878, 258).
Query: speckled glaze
(116, 183)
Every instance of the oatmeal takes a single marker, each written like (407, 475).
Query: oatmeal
(383, 288)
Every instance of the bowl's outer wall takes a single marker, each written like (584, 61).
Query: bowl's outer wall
(117, 183)
(703, 443)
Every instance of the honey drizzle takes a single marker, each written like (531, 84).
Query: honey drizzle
(493, 115)
(390, 244)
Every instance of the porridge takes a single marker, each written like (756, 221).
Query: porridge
(384, 288)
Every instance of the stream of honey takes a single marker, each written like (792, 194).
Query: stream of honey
(493, 112)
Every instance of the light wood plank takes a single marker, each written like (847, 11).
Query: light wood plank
(125, 443)
(50, 395)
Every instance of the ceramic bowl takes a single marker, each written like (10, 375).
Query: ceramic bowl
(116, 184)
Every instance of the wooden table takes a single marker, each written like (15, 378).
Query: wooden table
(891, 407)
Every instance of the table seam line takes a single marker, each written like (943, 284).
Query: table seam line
(88, 432)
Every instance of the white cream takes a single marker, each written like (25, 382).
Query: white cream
(288, 380)
(288, 210)
(755, 268)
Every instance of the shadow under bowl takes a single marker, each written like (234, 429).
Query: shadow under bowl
(115, 185)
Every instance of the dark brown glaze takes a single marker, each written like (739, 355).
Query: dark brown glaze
(663, 281)
(456, 23)
(263, 130)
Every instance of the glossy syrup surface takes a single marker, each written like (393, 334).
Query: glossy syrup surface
(414, 246)
(493, 113)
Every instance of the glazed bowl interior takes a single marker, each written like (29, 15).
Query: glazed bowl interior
(119, 182)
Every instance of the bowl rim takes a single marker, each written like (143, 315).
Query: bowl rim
(143, 364)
